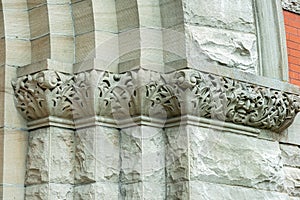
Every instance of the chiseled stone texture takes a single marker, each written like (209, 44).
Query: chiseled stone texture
(142, 154)
(96, 191)
(196, 153)
(212, 46)
(97, 155)
(197, 190)
(50, 156)
(226, 14)
(142, 163)
(292, 182)
(49, 191)
(143, 190)
(204, 191)
(290, 155)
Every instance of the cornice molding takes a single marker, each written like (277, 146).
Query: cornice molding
(120, 99)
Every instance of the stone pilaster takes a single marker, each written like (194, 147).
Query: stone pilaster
(44, 100)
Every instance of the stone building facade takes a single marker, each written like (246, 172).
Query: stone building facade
(156, 99)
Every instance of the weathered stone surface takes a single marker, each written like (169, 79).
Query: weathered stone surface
(211, 46)
(203, 191)
(229, 14)
(37, 164)
(50, 151)
(49, 191)
(143, 190)
(96, 191)
(97, 155)
(142, 155)
(292, 182)
(202, 154)
(290, 155)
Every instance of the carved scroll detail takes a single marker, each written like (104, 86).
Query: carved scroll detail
(221, 98)
(44, 94)
(135, 93)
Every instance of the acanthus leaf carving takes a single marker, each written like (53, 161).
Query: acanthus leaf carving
(44, 94)
(161, 96)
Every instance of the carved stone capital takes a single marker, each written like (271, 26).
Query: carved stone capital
(121, 98)
(44, 94)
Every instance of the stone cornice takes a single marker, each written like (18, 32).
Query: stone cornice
(120, 98)
(291, 5)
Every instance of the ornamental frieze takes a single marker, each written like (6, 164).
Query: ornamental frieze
(44, 94)
(155, 95)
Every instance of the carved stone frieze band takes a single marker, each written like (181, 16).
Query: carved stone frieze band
(158, 96)
(291, 5)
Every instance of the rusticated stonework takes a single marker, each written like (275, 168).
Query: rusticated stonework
(141, 92)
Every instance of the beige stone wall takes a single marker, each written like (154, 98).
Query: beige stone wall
(145, 100)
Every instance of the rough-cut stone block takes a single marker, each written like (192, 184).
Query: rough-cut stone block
(211, 46)
(96, 191)
(62, 155)
(179, 190)
(60, 19)
(233, 159)
(38, 21)
(142, 155)
(222, 157)
(97, 155)
(292, 182)
(227, 14)
(143, 190)
(50, 156)
(49, 191)
(37, 163)
(83, 17)
(203, 191)
(290, 155)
